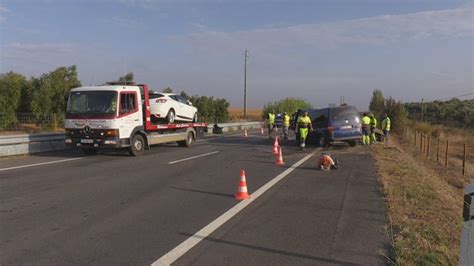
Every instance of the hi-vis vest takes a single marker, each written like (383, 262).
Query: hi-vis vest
(366, 121)
(386, 124)
(304, 121)
(271, 118)
(286, 120)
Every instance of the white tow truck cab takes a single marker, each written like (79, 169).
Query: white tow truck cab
(118, 116)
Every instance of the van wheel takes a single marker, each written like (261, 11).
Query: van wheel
(352, 143)
(89, 151)
(322, 141)
(171, 116)
(189, 140)
(137, 145)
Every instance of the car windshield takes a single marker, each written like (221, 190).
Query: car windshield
(343, 113)
(92, 103)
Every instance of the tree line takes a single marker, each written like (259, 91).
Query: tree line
(47, 94)
(452, 112)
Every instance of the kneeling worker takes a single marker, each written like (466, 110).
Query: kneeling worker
(303, 127)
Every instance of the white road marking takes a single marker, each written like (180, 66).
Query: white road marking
(194, 157)
(37, 164)
(189, 243)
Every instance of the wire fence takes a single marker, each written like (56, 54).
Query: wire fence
(18, 123)
(453, 153)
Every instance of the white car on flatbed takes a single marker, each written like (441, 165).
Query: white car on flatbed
(171, 107)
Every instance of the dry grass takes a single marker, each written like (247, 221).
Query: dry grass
(425, 208)
(237, 114)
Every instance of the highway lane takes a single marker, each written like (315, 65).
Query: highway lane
(114, 209)
(310, 218)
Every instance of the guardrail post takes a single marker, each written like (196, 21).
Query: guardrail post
(446, 156)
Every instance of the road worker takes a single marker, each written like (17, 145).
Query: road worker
(373, 126)
(286, 125)
(303, 127)
(271, 123)
(385, 127)
(366, 129)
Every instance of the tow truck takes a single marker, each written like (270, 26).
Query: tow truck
(117, 116)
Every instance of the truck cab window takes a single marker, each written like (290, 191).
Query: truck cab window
(128, 103)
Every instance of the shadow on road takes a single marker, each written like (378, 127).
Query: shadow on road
(204, 192)
(271, 250)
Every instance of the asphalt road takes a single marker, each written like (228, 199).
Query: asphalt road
(112, 209)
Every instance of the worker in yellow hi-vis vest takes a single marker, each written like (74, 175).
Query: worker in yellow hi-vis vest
(271, 123)
(286, 125)
(366, 129)
(303, 127)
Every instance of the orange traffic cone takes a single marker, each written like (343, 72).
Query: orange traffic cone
(275, 146)
(279, 160)
(261, 131)
(242, 192)
(245, 133)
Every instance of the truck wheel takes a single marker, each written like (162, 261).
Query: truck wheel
(171, 116)
(89, 151)
(189, 140)
(137, 145)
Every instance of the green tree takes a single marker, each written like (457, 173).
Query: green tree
(289, 105)
(50, 91)
(377, 103)
(11, 86)
(168, 90)
(127, 78)
(210, 109)
(397, 114)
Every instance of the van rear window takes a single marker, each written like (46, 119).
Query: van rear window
(338, 114)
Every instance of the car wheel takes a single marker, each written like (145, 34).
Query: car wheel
(189, 140)
(171, 116)
(322, 141)
(195, 118)
(89, 151)
(137, 145)
(352, 143)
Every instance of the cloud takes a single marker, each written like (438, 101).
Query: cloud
(448, 23)
(3, 12)
(38, 49)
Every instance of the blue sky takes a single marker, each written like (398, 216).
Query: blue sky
(316, 50)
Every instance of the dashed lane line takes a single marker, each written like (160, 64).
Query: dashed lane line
(37, 164)
(194, 157)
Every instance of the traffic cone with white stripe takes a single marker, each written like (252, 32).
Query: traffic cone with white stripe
(279, 160)
(275, 146)
(242, 192)
(245, 133)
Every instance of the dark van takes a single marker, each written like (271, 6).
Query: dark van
(332, 124)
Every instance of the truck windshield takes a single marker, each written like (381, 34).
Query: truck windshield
(93, 103)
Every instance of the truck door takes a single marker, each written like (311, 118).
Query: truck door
(130, 115)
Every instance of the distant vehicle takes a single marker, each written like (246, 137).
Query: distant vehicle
(333, 124)
(118, 117)
(171, 107)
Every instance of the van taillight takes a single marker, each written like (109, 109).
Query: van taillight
(330, 130)
(160, 101)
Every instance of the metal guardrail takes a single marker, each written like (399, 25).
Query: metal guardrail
(41, 142)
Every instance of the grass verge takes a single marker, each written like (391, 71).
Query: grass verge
(424, 207)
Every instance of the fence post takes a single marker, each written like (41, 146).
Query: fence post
(53, 122)
(415, 137)
(437, 151)
(428, 147)
(446, 156)
(421, 141)
(464, 160)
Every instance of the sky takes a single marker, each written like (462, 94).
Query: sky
(315, 50)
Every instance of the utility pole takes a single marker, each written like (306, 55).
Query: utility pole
(245, 85)
(422, 110)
